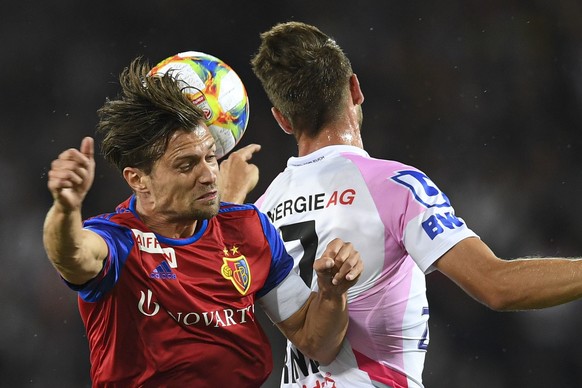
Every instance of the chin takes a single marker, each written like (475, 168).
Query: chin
(208, 211)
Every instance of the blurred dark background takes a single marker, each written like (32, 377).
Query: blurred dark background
(485, 97)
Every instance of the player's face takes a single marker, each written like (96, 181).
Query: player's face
(183, 181)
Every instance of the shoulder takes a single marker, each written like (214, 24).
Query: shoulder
(246, 219)
(370, 164)
(232, 211)
(113, 220)
(229, 208)
(123, 216)
(385, 174)
(117, 225)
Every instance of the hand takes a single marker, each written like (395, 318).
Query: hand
(71, 175)
(339, 267)
(237, 176)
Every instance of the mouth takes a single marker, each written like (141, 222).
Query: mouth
(210, 196)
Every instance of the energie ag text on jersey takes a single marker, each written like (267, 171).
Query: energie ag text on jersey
(311, 202)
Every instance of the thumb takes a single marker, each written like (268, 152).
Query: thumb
(88, 147)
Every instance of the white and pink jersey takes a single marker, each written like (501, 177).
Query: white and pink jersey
(401, 223)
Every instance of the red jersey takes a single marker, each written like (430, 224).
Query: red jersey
(180, 312)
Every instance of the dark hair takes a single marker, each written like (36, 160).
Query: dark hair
(138, 124)
(304, 73)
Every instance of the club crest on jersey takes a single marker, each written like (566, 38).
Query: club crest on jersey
(237, 270)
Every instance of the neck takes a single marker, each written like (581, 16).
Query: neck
(344, 130)
(331, 135)
(164, 225)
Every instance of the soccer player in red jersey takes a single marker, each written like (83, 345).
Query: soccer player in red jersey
(167, 283)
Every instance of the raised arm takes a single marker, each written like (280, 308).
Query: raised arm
(319, 327)
(506, 285)
(237, 175)
(76, 253)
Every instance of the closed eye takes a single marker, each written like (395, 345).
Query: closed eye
(185, 167)
(211, 158)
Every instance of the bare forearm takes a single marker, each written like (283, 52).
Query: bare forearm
(325, 327)
(62, 234)
(540, 283)
(76, 253)
(506, 285)
(66, 245)
(318, 328)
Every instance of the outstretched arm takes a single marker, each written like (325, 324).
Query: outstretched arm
(76, 253)
(506, 285)
(319, 327)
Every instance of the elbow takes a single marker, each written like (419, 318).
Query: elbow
(326, 356)
(495, 286)
(499, 298)
(496, 302)
(323, 349)
(326, 360)
(322, 355)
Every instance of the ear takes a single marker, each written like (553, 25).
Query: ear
(282, 121)
(356, 91)
(135, 179)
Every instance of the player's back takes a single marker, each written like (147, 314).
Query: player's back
(341, 192)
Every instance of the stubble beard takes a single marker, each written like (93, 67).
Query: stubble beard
(208, 212)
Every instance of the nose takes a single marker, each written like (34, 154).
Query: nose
(208, 173)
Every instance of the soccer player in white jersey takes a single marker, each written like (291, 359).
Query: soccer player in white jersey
(404, 226)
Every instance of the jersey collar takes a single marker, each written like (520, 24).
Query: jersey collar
(323, 153)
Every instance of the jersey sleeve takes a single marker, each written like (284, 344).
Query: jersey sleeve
(281, 261)
(285, 299)
(431, 227)
(119, 243)
(284, 292)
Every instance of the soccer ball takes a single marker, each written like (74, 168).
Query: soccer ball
(215, 88)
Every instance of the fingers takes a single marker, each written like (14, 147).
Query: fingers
(69, 169)
(65, 175)
(237, 176)
(341, 262)
(242, 155)
(247, 152)
(73, 169)
(347, 261)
